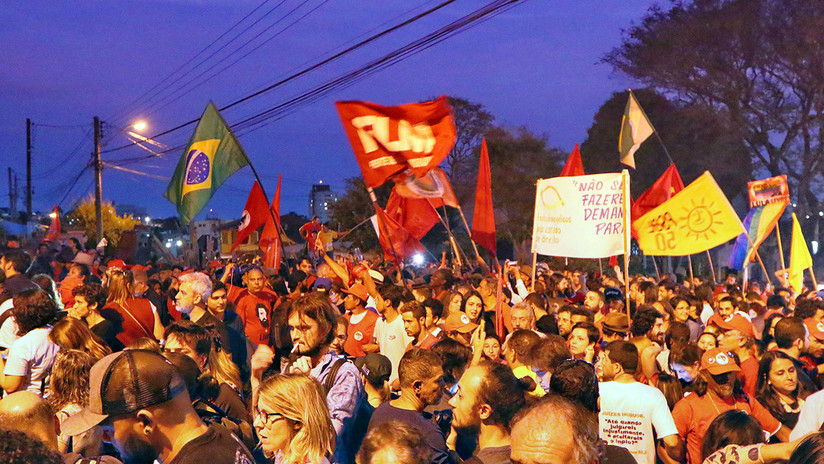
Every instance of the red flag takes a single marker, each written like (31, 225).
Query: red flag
(405, 244)
(573, 166)
(434, 185)
(483, 217)
(54, 228)
(270, 237)
(254, 215)
(416, 215)
(662, 190)
(388, 140)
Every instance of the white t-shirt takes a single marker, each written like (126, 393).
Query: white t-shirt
(8, 331)
(629, 411)
(811, 416)
(392, 339)
(32, 357)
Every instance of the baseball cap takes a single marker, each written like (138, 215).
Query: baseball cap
(616, 322)
(358, 290)
(376, 367)
(125, 382)
(815, 327)
(733, 322)
(459, 322)
(717, 361)
(116, 264)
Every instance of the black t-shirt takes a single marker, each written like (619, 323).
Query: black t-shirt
(217, 446)
(108, 332)
(229, 401)
(431, 433)
(491, 455)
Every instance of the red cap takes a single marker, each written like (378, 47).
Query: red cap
(734, 322)
(815, 327)
(138, 267)
(215, 264)
(117, 264)
(359, 291)
(717, 361)
(459, 322)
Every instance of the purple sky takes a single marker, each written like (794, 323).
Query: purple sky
(65, 62)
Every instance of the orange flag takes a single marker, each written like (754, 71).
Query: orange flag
(573, 166)
(254, 215)
(270, 238)
(483, 217)
(54, 228)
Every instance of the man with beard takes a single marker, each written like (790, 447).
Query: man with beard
(192, 295)
(421, 379)
(488, 397)
(647, 333)
(139, 398)
(630, 410)
(714, 393)
(312, 323)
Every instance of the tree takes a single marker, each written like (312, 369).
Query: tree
(758, 63)
(113, 225)
(696, 136)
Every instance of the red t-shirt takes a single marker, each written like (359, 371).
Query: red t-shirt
(359, 334)
(137, 319)
(748, 376)
(255, 311)
(693, 415)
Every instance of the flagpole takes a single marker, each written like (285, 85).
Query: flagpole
(655, 265)
(812, 274)
(469, 231)
(780, 247)
(269, 207)
(534, 264)
(757, 255)
(388, 235)
(692, 277)
(712, 268)
(627, 225)
(445, 222)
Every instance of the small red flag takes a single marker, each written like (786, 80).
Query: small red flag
(483, 217)
(662, 190)
(417, 215)
(405, 244)
(573, 166)
(270, 237)
(54, 228)
(254, 215)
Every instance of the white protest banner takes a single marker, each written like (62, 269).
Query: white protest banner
(581, 216)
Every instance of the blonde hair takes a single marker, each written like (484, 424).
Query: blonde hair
(300, 398)
(223, 369)
(74, 334)
(70, 378)
(119, 286)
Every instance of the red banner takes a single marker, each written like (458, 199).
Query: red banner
(388, 140)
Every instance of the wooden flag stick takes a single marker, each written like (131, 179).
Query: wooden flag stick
(655, 264)
(445, 223)
(600, 266)
(692, 277)
(469, 231)
(758, 256)
(627, 239)
(815, 284)
(712, 268)
(535, 264)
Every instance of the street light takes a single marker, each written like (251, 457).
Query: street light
(139, 125)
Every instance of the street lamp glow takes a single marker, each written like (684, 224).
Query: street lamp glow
(139, 125)
(52, 215)
(417, 260)
(180, 243)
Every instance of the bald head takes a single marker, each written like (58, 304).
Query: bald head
(27, 412)
(571, 438)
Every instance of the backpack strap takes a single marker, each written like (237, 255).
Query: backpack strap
(333, 374)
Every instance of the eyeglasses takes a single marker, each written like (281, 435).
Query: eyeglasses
(722, 379)
(268, 417)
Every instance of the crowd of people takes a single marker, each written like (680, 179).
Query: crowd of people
(331, 361)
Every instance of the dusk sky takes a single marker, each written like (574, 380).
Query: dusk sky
(537, 65)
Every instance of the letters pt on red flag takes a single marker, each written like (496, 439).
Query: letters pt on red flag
(388, 140)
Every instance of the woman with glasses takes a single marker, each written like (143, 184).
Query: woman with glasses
(292, 420)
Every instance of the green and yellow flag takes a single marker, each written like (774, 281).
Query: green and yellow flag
(211, 156)
(635, 128)
(800, 258)
(696, 219)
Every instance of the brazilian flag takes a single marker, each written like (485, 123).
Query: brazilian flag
(211, 156)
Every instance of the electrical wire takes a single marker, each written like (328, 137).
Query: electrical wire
(178, 71)
(305, 70)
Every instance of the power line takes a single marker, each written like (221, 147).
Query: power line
(177, 72)
(305, 70)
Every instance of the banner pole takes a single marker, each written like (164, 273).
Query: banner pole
(692, 277)
(655, 265)
(445, 222)
(469, 231)
(535, 263)
(600, 266)
(812, 274)
(757, 255)
(627, 225)
(712, 268)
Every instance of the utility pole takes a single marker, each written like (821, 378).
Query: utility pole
(28, 166)
(98, 189)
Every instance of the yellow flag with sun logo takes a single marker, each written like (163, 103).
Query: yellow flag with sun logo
(694, 220)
